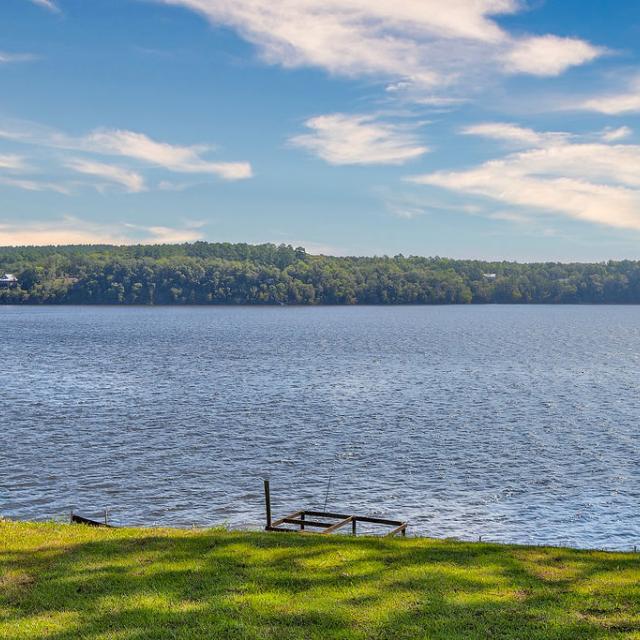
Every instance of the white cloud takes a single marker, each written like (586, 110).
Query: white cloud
(130, 144)
(47, 4)
(341, 139)
(594, 182)
(72, 230)
(420, 41)
(505, 131)
(172, 157)
(613, 105)
(549, 55)
(613, 135)
(131, 180)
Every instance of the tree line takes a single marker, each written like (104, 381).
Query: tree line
(225, 273)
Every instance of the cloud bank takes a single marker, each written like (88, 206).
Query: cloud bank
(424, 42)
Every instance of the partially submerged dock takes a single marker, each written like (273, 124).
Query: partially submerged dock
(329, 522)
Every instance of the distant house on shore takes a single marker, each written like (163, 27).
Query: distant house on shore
(8, 280)
(490, 276)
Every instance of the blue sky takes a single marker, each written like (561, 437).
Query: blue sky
(472, 128)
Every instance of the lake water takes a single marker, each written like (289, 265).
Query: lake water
(514, 423)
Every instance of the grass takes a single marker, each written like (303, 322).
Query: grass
(61, 581)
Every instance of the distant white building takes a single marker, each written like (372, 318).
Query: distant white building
(491, 276)
(8, 280)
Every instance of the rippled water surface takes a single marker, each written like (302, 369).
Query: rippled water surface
(514, 423)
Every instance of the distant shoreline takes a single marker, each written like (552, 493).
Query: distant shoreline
(256, 305)
(268, 275)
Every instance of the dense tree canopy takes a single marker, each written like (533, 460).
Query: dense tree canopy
(223, 273)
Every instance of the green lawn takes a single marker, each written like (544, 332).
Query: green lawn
(61, 581)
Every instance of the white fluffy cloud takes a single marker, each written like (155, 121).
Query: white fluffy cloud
(595, 182)
(72, 230)
(342, 139)
(420, 40)
(549, 55)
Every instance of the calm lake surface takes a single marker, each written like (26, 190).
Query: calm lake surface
(516, 423)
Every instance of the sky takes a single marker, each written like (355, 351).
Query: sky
(489, 129)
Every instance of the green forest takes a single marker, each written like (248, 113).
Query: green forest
(224, 273)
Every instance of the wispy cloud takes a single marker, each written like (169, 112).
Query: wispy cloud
(8, 58)
(27, 184)
(405, 206)
(14, 168)
(417, 41)
(12, 162)
(341, 139)
(47, 4)
(619, 133)
(135, 146)
(512, 133)
(594, 182)
(172, 157)
(72, 230)
(131, 180)
(404, 211)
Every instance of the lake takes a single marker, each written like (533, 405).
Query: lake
(514, 423)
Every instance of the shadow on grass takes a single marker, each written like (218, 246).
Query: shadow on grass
(213, 584)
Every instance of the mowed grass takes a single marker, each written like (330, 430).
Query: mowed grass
(62, 581)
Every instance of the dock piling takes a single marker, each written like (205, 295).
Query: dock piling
(267, 503)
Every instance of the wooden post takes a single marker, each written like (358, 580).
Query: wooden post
(353, 527)
(267, 502)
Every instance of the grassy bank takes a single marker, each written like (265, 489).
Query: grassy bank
(61, 581)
